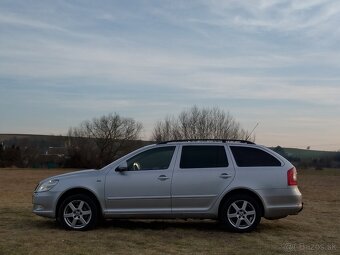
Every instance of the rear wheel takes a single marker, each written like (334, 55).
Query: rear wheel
(78, 212)
(240, 213)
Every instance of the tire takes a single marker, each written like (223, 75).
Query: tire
(240, 213)
(78, 212)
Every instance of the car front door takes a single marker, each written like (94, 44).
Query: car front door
(144, 187)
(201, 174)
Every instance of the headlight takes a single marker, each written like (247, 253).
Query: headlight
(46, 186)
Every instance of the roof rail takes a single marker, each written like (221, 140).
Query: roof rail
(213, 140)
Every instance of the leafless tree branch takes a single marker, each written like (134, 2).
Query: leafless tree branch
(196, 123)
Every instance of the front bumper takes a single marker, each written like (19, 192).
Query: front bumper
(44, 203)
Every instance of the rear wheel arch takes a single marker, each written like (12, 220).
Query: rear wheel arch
(242, 191)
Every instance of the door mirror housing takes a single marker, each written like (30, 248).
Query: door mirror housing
(122, 167)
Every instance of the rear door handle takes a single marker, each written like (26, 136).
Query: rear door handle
(162, 177)
(225, 176)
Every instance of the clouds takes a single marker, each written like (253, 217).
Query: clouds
(160, 56)
(308, 17)
(249, 77)
(18, 21)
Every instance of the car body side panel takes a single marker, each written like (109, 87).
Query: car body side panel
(270, 185)
(45, 203)
(139, 192)
(196, 190)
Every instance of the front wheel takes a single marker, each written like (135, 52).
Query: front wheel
(240, 213)
(78, 212)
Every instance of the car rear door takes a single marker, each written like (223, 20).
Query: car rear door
(201, 174)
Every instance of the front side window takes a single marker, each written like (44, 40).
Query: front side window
(253, 157)
(153, 159)
(203, 157)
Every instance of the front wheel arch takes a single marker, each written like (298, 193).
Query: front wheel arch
(78, 191)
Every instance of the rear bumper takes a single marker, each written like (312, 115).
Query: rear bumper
(301, 208)
(282, 211)
(279, 203)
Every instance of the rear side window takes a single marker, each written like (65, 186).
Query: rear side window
(247, 156)
(203, 157)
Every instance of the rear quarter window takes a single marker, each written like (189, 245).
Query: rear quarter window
(253, 157)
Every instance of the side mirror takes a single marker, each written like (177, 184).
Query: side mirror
(122, 167)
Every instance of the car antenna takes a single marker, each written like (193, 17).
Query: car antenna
(252, 131)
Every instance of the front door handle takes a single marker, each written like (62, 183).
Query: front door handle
(225, 176)
(162, 177)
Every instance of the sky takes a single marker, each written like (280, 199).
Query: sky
(275, 62)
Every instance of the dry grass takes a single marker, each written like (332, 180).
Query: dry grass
(314, 231)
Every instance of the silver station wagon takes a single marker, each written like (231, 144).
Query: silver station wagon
(234, 181)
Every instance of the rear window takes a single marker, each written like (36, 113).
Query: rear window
(247, 156)
(203, 157)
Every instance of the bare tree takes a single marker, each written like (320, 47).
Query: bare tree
(196, 123)
(99, 141)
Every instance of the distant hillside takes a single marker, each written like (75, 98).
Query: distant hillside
(310, 158)
(25, 150)
(46, 141)
(23, 136)
(40, 142)
(309, 154)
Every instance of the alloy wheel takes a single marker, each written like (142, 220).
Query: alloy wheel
(77, 214)
(241, 214)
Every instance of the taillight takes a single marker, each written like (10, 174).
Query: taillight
(292, 177)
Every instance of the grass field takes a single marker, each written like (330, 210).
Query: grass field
(315, 230)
